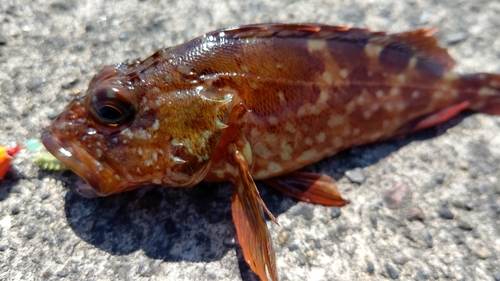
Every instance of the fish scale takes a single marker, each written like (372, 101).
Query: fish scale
(259, 102)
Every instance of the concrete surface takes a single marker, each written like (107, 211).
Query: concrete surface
(448, 176)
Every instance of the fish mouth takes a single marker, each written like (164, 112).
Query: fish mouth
(101, 180)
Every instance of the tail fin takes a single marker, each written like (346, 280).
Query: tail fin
(483, 90)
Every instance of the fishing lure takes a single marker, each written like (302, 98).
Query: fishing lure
(47, 161)
(259, 102)
(44, 159)
(6, 157)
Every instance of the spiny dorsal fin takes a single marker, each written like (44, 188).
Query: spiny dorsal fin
(305, 30)
(418, 43)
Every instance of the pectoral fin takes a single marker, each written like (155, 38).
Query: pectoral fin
(309, 187)
(251, 228)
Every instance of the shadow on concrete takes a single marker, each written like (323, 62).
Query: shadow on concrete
(195, 224)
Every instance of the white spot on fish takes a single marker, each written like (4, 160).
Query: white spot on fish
(281, 96)
(308, 141)
(261, 150)
(485, 91)
(412, 63)
(415, 94)
(450, 76)
(303, 110)
(379, 93)
(437, 95)
(156, 125)
(350, 107)
(373, 50)
(401, 78)
(360, 100)
(315, 45)
(273, 120)
(272, 139)
(139, 151)
(156, 181)
(335, 120)
(100, 168)
(343, 73)
(286, 151)
(128, 133)
(290, 127)
(274, 168)
(321, 137)
(323, 97)
(219, 174)
(327, 77)
(247, 153)
(376, 136)
(308, 155)
(394, 91)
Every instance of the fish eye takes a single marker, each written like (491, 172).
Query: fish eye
(111, 107)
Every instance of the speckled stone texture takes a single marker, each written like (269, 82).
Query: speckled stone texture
(425, 207)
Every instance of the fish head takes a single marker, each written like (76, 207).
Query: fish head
(120, 135)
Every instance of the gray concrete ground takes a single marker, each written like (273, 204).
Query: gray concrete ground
(449, 174)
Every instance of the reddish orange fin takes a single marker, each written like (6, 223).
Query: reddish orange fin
(250, 224)
(431, 119)
(441, 116)
(309, 187)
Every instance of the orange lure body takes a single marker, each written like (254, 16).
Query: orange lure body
(259, 102)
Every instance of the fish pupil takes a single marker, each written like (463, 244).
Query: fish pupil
(110, 113)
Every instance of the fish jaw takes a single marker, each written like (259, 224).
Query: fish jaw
(100, 179)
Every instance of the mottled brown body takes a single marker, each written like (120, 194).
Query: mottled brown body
(259, 102)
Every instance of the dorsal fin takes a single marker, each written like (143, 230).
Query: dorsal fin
(305, 30)
(423, 45)
(419, 43)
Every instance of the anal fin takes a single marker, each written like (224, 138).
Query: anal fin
(432, 119)
(251, 229)
(441, 116)
(309, 187)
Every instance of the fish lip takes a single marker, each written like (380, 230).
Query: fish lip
(97, 176)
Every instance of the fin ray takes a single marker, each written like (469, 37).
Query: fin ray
(250, 224)
(309, 187)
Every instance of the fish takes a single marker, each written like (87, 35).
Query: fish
(259, 102)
